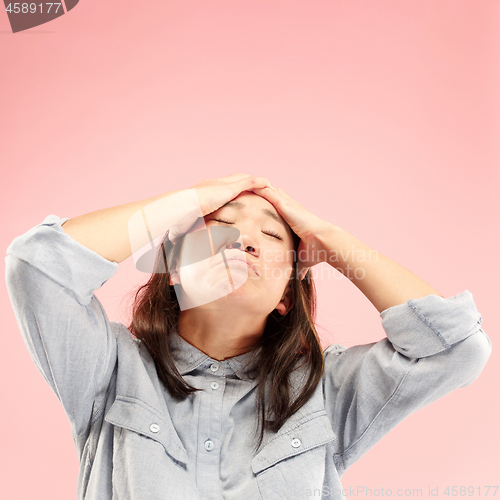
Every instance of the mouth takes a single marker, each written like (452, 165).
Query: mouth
(239, 259)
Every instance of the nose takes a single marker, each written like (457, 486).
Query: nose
(248, 248)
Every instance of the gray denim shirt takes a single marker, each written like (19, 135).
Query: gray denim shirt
(135, 442)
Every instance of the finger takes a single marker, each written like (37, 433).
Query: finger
(282, 193)
(253, 182)
(268, 192)
(279, 194)
(272, 196)
(261, 181)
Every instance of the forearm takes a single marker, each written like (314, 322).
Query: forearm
(110, 233)
(384, 282)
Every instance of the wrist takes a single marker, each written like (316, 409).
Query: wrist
(328, 239)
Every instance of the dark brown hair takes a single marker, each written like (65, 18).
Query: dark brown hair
(286, 340)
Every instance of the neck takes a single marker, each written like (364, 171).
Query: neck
(220, 333)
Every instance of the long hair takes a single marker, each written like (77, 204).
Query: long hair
(286, 341)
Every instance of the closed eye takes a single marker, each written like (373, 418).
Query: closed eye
(270, 233)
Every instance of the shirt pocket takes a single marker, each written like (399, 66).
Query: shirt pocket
(148, 455)
(294, 461)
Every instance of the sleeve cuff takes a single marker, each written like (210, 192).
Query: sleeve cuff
(428, 325)
(69, 263)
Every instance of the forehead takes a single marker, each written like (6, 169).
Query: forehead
(253, 204)
(249, 204)
(250, 198)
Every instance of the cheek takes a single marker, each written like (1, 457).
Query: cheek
(277, 266)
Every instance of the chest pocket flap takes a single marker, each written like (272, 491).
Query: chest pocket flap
(136, 416)
(314, 432)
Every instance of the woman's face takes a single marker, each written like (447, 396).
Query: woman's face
(223, 280)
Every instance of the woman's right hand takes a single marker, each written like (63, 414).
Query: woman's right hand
(214, 193)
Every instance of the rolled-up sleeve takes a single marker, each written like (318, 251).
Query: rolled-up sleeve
(51, 279)
(434, 345)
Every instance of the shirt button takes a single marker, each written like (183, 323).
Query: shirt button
(154, 427)
(214, 385)
(296, 443)
(209, 445)
(214, 367)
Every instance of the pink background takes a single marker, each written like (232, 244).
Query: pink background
(379, 116)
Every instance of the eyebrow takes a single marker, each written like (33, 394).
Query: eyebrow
(266, 211)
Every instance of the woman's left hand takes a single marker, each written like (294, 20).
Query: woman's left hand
(304, 224)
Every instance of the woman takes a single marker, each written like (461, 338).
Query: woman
(225, 392)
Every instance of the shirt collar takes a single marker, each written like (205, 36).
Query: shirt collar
(187, 357)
